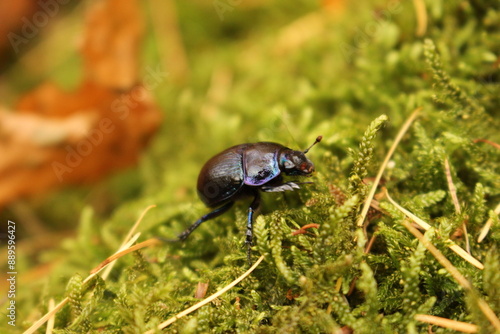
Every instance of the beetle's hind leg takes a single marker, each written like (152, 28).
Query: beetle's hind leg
(216, 213)
(249, 235)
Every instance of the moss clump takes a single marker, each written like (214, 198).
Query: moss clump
(323, 279)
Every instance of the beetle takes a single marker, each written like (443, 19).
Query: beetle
(243, 171)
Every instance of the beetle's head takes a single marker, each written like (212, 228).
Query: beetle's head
(295, 162)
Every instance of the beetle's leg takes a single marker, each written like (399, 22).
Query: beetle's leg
(249, 236)
(288, 186)
(217, 212)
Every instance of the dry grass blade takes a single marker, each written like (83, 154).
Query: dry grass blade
(447, 323)
(208, 299)
(119, 254)
(128, 241)
(453, 246)
(416, 219)
(136, 225)
(401, 133)
(421, 13)
(454, 197)
(451, 186)
(122, 251)
(52, 311)
(46, 317)
(487, 226)
(338, 285)
(453, 271)
(50, 322)
(105, 274)
(489, 142)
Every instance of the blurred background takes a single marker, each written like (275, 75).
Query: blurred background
(108, 101)
(112, 105)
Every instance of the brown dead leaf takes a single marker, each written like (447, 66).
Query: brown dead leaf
(201, 290)
(13, 18)
(56, 138)
(114, 29)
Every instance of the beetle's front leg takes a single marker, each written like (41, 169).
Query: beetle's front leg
(249, 235)
(288, 186)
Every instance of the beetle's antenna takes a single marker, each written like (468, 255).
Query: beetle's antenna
(315, 142)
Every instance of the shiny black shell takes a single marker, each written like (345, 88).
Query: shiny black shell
(226, 175)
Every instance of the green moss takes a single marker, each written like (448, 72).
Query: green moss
(363, 64)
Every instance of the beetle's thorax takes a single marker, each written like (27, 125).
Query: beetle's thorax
(260, 163)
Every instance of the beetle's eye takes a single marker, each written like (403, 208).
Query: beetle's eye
(303, 166)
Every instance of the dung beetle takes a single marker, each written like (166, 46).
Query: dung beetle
(241, 171)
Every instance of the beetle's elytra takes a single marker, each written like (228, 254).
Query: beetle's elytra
(244, 170)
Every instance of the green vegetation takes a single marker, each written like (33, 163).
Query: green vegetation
(354, 79)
